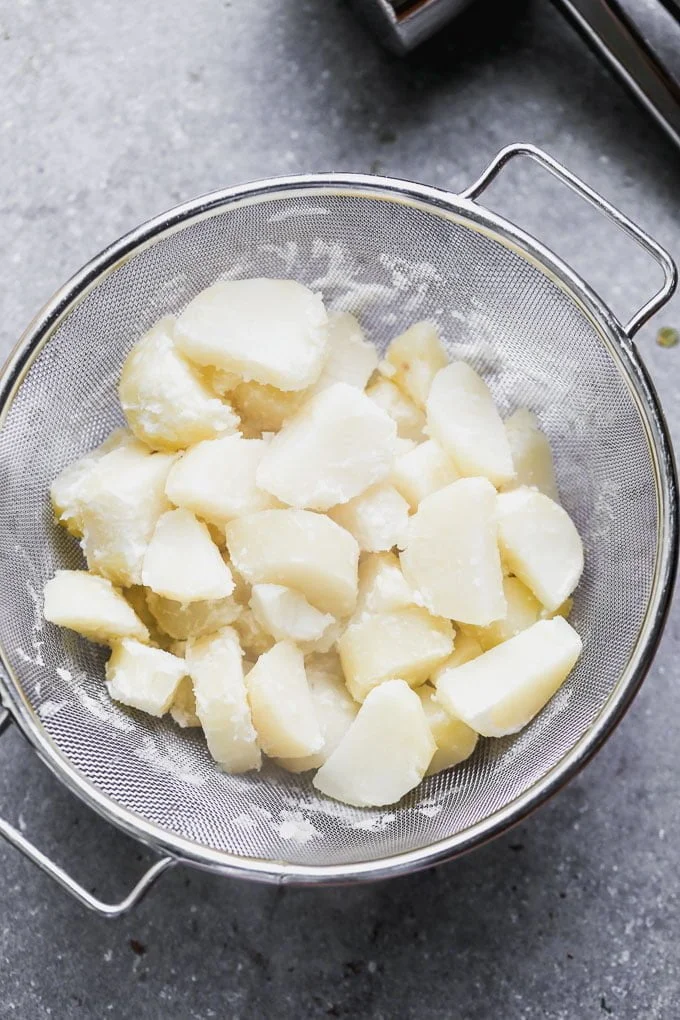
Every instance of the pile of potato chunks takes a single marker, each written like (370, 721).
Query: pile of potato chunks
(347, 566)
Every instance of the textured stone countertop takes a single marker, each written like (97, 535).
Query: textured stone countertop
(112, 112)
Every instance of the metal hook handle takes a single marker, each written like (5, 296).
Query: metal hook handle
(659, 254)
(16, 839)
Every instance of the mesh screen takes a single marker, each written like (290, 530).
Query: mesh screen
(391, 264)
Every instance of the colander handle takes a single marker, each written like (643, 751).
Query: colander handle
(16, 839)
(659, 254)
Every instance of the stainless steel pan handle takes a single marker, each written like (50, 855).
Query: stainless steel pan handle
(659, 254)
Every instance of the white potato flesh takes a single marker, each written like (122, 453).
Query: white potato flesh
(143, 677)
(336, 446)
(183, 620)
(407, 644)
(540, 544)
(216, 479)
(91, 606)
(455, 740)
(531, 453)
(287, 615)
(502, 690)
(65, 490)
(220, 381)
(384, 753)
(119, 505)
(255, 640)
(523, 610)
(350, 358)
(377, 517)
(135, 596)
(408, 418)
(463, 419)
(166, 402)
(421, 471)
(281, 701)
(335, 711)
(215, 665)
(413, 359)
(382, 586)
(272, 331)
(465, 649)
(183, 708)
(264, 408)
(451, 557)
(298, 549)
(183, 563)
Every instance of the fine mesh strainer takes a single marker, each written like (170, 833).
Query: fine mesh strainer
(393, 252)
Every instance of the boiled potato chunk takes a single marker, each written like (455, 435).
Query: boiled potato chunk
(143, 677)
(282, 705)
(183, 708)
(531, 453)
(455, 740)
(335, 447)
(216, 479)
(407, 644)
(91, 606)
(408, 418)
(264, 408)
(255, 640)
(451, 556)
(287, 615)
(384, 753)
(414, 358)
(334, 708)
(377, 518)
(120, 502)
(351, 358)
(298, 549)
(462, 418)
(214, 663)
(164, 399)
(183, 563)
(465, 649)
(382, 586)
(523, 610)
(182, 620)
(540, 544)
(271, 331)
(135, 596)
(502, 690)
(221, 382)
(421, 471)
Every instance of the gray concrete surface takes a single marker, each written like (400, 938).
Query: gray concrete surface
(110, 112)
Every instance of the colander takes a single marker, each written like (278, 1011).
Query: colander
(393, 252)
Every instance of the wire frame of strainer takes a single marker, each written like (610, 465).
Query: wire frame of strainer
(392, 252)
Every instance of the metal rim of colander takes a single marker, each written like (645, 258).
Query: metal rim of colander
(468, 213)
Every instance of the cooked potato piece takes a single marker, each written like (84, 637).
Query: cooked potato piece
(220, 381)
(384, 753)
(421, 471)
(143, 677)
(462, 417)
(531, 453)
(414, 359)
(255, 640)
(182, 620)
(183, 708)
(272, 331)
(377, 517)
(136, 598)
(407, 644)
(451, 556)
(382, 586)
(120, 502)
(287, 615)
(335, 710)
(562, 610)
(165, 401)
(523, 610)
(216, 479)
(282, 704)
(91, 606)
(465, 649)
(264, 408)
(336, 446)
(298, 549)
(455, 740)
(214, 664)
(183, 563)
(409, 419)
(351, 358)
(502, 690)
(540, 544)
(65, 490)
